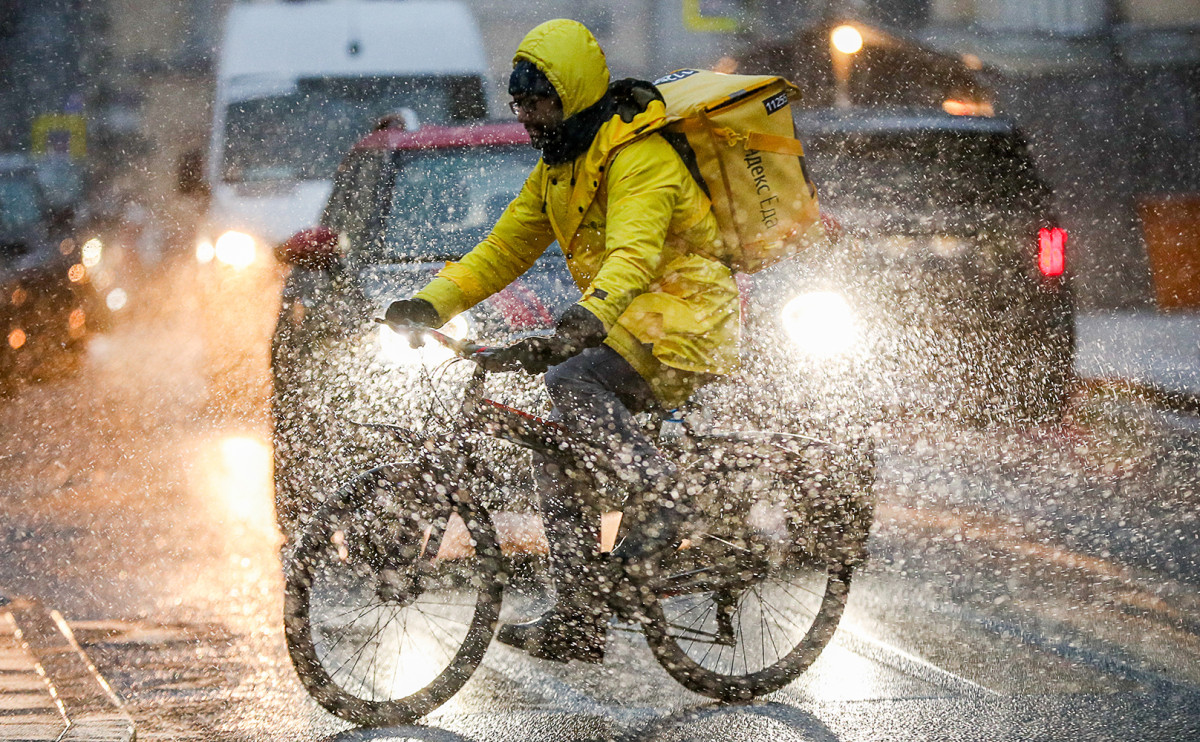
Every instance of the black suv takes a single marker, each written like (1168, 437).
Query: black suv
(947, 289)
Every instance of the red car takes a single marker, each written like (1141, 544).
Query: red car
(403, 203)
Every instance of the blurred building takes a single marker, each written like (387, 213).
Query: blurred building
(152, 103)
(1110, 93)
(123, 87)
(44, 61)
(1107, 90)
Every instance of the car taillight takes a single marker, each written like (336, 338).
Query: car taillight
(1052, 251)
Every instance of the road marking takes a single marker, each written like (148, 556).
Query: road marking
(973, 525)
(93, 712)
(850, 637)
(855, 639)
(70, 637)
(1075, 648)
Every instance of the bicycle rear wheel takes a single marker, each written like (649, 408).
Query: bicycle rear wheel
(744, 640)
(392, 597)
(758, 596)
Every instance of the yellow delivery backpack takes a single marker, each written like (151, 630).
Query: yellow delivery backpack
(740, 129)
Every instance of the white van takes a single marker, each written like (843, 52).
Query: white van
(299, 82)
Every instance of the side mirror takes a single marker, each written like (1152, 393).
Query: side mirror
(316, 247)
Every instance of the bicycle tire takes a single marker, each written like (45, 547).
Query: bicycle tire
(700, 675)
(685, 635)
(362, 571)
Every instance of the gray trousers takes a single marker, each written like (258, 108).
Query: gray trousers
(596, 395)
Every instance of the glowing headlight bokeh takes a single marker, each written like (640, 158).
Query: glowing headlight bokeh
(116, 299)
(235, 249)
(395, 349)
(91, 252)
(821, 324)
(205, 252)
(847, 39)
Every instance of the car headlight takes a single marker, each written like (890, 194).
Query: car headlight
(395, 349)
(91, 253)
(821, 324)
(235, 249)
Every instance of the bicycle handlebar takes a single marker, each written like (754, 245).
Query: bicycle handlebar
(483, 355)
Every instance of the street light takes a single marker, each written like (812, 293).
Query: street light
(844, 42)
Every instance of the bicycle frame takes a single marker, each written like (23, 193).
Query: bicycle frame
(782, 452)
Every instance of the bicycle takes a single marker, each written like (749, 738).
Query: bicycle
(394, 590)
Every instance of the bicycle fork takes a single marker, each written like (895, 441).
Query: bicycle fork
(461, 470)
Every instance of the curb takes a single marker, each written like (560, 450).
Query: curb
(91, 710)
(28, 709)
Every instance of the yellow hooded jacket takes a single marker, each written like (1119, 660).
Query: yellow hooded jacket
(633, 224)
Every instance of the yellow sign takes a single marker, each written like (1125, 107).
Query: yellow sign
(696, 18)
(71, 124)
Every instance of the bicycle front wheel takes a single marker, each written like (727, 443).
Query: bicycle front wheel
(392, 597)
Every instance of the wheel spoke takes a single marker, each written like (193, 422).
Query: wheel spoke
(771, 636)
(376, 647)
(347, 629)
(357, 655)
(783, 610)
(436, 628)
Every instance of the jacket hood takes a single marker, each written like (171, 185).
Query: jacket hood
(571, 58)
(636, 103)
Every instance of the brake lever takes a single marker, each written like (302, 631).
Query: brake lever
(461, 348)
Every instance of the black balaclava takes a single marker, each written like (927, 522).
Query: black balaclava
(574, 135)
(527, 79)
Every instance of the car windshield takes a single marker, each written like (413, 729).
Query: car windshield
(923, 178)
(20, 202)
(445, 201)
(303, 135)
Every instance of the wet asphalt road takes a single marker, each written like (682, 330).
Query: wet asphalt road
(1024, 584)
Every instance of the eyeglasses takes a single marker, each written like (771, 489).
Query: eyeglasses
(529, 103)
(526, 104)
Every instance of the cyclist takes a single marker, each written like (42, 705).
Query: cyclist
(659, 313)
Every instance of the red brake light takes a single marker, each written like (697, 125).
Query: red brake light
(1052, 251)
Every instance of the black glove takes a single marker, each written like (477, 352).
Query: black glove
(412, 312)
(577, 329)
(580, 328)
